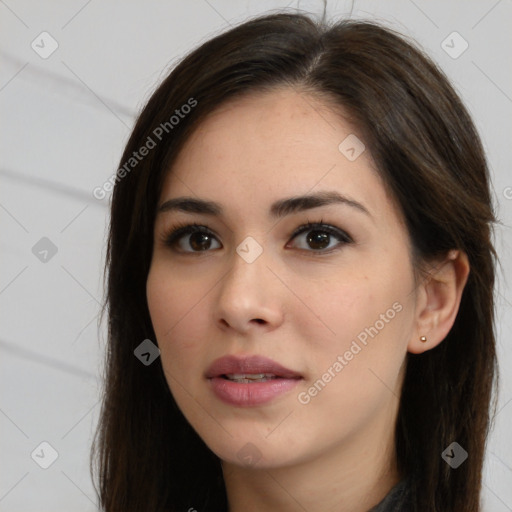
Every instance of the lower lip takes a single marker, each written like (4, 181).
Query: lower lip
(250, 394)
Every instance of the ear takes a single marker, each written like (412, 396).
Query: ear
(438, 301)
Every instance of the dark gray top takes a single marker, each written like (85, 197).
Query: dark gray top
(397, 500)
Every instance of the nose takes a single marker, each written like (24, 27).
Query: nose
(249, 296)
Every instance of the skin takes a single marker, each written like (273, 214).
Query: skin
(296, 306)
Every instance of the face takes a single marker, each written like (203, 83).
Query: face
(333, 302)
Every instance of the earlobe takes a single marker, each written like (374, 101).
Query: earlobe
(438, 301)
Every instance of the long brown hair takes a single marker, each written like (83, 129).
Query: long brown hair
(431, 159)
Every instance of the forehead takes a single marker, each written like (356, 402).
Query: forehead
(262, 147)
(283, 125)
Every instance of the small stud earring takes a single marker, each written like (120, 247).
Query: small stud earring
(423, 339)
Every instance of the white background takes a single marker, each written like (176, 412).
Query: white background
(64, 121)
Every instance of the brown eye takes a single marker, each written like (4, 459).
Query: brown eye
(200, 241)
(194, 238)
(320, 237)
(191, 238)
(318, 240)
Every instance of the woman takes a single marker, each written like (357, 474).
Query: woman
(301, 222)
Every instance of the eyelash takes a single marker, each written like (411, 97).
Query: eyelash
(179, 230)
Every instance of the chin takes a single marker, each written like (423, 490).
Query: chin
(255, 453)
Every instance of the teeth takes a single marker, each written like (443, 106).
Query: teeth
(250, 377)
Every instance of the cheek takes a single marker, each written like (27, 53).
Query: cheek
(355, 372)
(177, 315)
(342, 306)
(367, 317)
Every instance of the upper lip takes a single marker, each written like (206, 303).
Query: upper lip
(254, 364)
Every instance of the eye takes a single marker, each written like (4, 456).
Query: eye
(199, 238)
(194, 236)
(319, 237)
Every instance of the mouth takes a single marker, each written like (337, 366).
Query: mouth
(253, 368)
(249, 381)
(247, 378)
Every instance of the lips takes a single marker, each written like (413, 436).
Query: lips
(249, 366)
(250, 381)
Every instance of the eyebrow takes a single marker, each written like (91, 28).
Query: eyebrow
(278, 209)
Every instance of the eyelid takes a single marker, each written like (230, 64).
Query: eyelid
(323, 226)
(173, 235)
